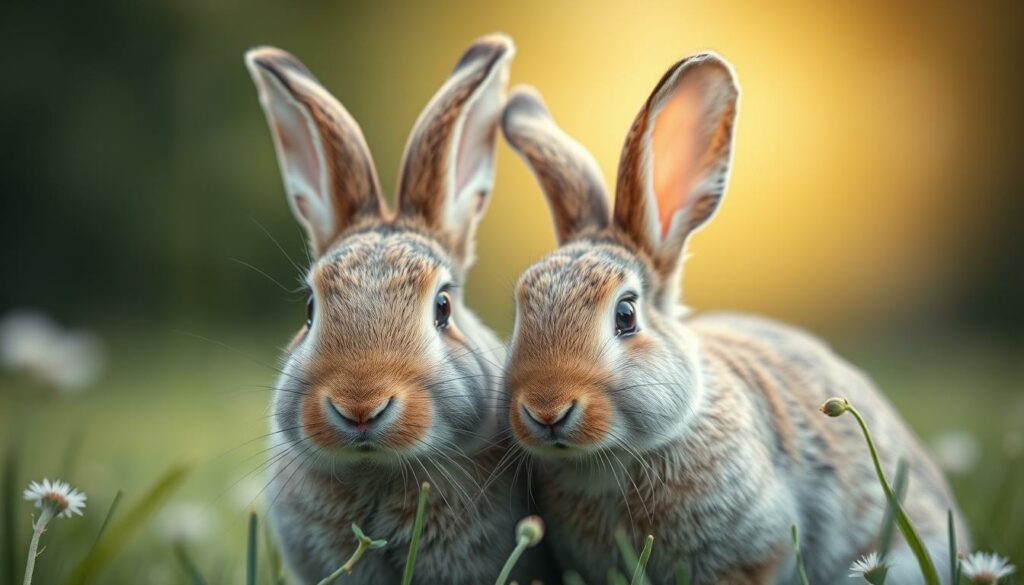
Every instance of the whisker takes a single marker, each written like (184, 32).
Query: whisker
(297, 268)
(264, 274)
(243, 355)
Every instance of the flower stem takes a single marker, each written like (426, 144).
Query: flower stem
(417, 529)
(361, 548)
(513, 558)
(931, 576)
(38, 528)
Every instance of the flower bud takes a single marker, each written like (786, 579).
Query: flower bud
(532, 529)
(835, 406)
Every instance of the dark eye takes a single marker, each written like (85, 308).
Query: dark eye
(625, 317)
(310, 309)
(442, 309)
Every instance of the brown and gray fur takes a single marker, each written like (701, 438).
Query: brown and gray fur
(378, 393)
(703, 431)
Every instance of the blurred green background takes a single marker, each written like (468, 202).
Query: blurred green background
(877, 199)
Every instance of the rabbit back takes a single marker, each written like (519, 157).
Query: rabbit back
(758, 458)
(786, 374)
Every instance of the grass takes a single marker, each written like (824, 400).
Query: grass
(639, 576)
(183, 401)
(795, 536)
(417, 529)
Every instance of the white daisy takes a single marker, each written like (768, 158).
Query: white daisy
(870, 567)
(989, 568)
(57, 496)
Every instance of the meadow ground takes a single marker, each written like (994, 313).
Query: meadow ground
(183, 400)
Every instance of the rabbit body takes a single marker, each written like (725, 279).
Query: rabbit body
(392, 381)
(701, 431)
(315, 495)
(758, 458)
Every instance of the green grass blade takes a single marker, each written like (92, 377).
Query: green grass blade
(899, 486)
(106, 519)
(799, 556)
(121, 532)
(628, 553)
(573, 578)
(639, 576)
(251, 552)
(417, 529)
(190, 568)
(682, 574)
(954, 557)
(10, 505)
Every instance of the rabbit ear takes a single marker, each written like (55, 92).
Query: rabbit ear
(448, 166)
(567, 173)
(675, 162)
(326, 166)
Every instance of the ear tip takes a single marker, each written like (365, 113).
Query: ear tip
(489, 48)
(262, 55)
(524, 99)
(525, 95)
(712, 61)
(498, 41)
(275, 61)
(524, 103)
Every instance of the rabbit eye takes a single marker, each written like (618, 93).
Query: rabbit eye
(310, 310)
(442, 309)
(625, 317)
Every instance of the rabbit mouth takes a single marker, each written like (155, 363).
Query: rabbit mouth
(559, 450)
(366, 450)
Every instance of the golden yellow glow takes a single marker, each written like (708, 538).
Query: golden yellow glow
(846, 183)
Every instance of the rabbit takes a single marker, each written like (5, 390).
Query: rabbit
(391, 381)
(703, 431)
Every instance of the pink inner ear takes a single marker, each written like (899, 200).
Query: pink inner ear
(472, 148)
(675, 152)
(296, 144)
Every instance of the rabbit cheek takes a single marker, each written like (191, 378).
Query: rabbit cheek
(519, 428)
(314, 419)
(596, 420)
(415, 418)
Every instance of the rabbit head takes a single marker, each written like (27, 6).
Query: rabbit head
(389, 363)
(599, 358)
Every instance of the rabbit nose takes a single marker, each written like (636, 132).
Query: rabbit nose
(551, 418)
(360, 417)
